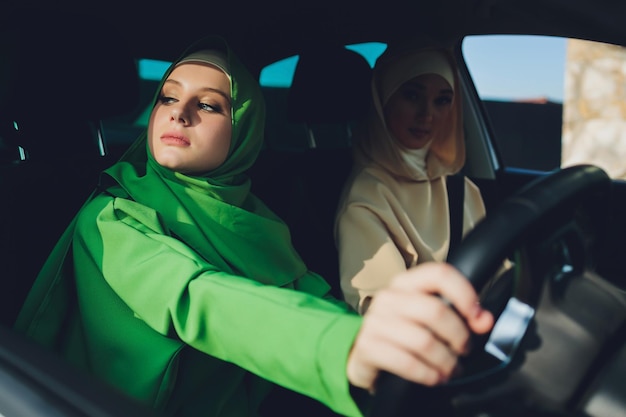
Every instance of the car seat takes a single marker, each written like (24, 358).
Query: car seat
(329, 93)
(60, 76)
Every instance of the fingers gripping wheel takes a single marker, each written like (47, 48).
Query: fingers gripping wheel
(547, 230)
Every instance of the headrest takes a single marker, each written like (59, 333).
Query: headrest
(64, 65)
(329, 86)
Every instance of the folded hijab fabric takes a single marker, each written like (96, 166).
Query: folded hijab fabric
(394, 209)
(179, 290)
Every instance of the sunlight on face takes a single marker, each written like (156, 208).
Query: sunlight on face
(190, 127)
(416, 111)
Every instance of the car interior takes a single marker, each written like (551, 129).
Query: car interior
(72, 99)
(38, 160)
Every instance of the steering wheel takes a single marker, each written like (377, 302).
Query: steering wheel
(553, 313)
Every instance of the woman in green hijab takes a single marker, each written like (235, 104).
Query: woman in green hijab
(178, 286)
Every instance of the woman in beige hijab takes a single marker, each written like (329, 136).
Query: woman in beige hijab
(394, 212)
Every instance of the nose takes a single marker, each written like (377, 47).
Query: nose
(425, 111)
(179, 114)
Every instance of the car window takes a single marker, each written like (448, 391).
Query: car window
(551, 102)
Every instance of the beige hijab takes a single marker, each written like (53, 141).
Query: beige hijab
(445, 155)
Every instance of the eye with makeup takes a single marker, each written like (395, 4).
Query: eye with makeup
(213, 108)
(163, 99)
(167, 96)
(212, 101)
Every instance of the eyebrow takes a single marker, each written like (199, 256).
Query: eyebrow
(208, 89)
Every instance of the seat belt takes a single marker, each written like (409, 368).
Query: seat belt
(456, 195)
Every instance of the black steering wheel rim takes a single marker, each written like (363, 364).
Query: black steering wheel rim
(551, 199)
(554, 196)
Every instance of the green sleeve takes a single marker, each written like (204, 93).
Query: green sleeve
(289, 337)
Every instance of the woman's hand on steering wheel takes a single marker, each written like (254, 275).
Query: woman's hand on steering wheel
(412, 330)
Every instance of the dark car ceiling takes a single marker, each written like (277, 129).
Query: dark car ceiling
(263, 31)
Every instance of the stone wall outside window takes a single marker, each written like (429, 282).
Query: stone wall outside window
(594, 107)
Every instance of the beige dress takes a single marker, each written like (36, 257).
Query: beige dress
(386, 226)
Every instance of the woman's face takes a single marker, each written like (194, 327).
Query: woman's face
(190, 126)
(418, 109)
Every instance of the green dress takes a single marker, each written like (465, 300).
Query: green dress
(185, 291)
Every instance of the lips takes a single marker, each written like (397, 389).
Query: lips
(419, 132)
(175, 139)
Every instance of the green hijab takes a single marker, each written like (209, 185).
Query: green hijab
(215, 213)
